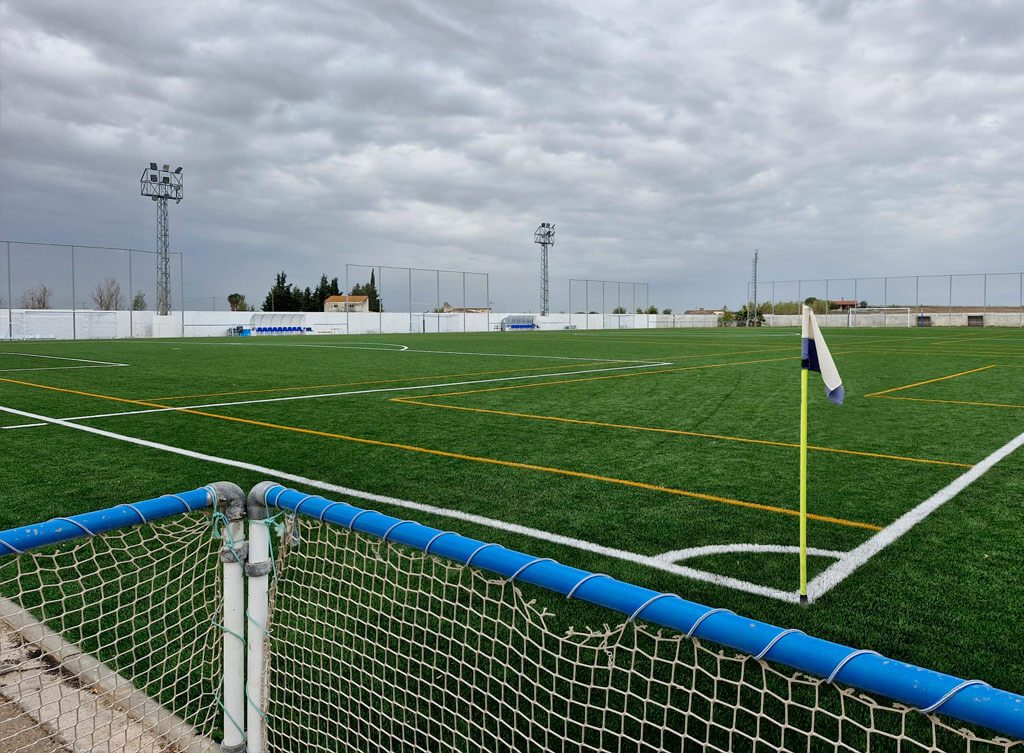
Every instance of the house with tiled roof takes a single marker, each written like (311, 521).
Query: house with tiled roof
(354, 303)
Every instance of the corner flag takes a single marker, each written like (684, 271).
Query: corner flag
(817, 358)
(814, 357)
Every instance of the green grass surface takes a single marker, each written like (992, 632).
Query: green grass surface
(579, 455)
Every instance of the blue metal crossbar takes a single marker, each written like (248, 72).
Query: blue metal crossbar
(18, 540)
(924, 689)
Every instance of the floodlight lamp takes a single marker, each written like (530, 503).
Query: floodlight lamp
(167, 179)
(178, 171)
(152, 177)
(167, 168)
(152, 166)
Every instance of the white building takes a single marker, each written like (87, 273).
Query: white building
(354, 303)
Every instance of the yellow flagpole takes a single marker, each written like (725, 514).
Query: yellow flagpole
(803, 485)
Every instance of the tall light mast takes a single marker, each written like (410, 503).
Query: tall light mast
(545, 236)
(752, 309)
(160, 184)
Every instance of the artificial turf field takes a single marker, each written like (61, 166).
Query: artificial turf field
(667, 458)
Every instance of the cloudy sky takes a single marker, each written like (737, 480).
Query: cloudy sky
(666, 139)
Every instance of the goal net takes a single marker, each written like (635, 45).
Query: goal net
(111, 642)
(377, 646)
(885, 316)
(382, 635)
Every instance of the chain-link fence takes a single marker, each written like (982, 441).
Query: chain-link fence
(51, 290)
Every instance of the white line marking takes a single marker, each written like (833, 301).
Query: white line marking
(92, 364)
(61, 358)
(407, 349)
(856, 557)
(61, 368)
(704, 551)
(389, 347)
(554, 538)
(341, 394)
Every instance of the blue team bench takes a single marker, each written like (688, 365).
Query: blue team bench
(276, 330)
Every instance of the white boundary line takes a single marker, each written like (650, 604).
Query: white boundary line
(93, 364)
(640, 559)
(61, 358)
(679, 555)
(857, 556)
(343, 394)
(395, 348)
(60, 368)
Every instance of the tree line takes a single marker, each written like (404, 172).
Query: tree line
(284, 296)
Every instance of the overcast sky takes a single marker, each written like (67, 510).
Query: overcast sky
(666, 140)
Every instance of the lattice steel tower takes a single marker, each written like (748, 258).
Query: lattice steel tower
(545, 236)
(160, 184)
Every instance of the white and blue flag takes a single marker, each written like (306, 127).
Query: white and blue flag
(816, 357)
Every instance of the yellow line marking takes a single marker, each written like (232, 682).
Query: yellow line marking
(379, 381)
(459, 456)
(930, 381)
(414, 401)
(959, 340)
(613, 376)
(950, 402)
(728, 353)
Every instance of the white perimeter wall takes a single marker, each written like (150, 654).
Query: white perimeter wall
(56, 324)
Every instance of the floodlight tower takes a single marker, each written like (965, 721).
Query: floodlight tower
(752, 311)
(161, 185)
(545, 236)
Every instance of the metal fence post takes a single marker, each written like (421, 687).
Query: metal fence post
(131, 298)
(74, 315)
(181, 289)
(10, 303)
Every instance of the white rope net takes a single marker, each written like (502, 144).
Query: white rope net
(111, 643)
(376, 647)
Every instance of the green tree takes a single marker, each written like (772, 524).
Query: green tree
(370, 291)
(324, 291)
(666, 311)
(237, 302)
(139, 301)
(619, 310)
(282, 296)
(652, 310)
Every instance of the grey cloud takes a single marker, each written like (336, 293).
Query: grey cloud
(665, 140)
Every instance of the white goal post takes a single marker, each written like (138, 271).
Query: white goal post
(880, 316)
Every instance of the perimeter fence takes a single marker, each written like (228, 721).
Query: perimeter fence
(950, 300)
(283, 621)
(58, 291)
